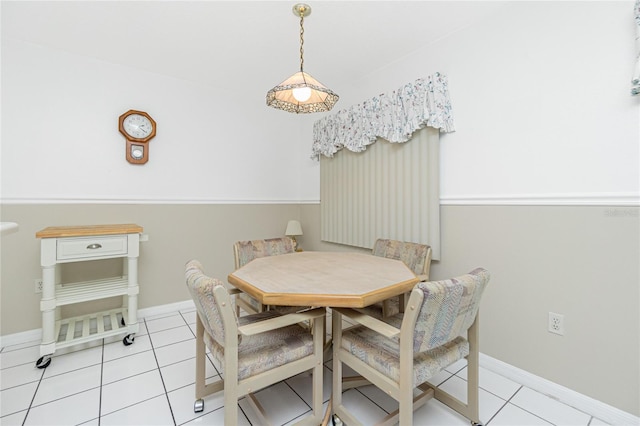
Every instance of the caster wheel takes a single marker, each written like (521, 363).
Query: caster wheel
(43, 361)
(128, 340)
(336, 420)
(198, 406)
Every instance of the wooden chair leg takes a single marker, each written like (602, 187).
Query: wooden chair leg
(471, 409)
(473, 372)
(318, 350)
(201, 355)
(336, 326)
(231, 390)
(202, 388)
(406, 411)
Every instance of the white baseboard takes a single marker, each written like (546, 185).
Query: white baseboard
(20, 338)
(165, 309)
(593, 407)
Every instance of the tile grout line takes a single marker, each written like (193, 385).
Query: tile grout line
(44, 370)
(522, 408)
(130, 376)
(496, 395)
(298, 395)
(504, 405)
(243, 413)
(33, 398)
(101, 381)
(164, 386)
(507, 401)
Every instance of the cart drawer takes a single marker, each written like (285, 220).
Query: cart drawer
(90, 247)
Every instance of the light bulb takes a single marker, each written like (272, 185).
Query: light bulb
(302, 94)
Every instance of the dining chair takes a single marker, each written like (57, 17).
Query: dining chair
(255, 351)
(244, 252)
(416, 256)
(401, 353)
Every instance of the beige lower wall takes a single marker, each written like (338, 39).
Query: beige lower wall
(177, 233)
(582, 262)
(578, 261)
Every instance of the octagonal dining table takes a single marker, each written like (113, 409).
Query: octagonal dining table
(330, 279)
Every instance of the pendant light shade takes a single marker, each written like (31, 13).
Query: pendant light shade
(301, 93)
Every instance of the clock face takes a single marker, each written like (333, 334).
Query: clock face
(137, 126)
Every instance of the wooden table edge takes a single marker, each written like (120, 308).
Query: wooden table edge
(322, 299)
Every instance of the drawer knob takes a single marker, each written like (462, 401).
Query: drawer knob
(94, 246)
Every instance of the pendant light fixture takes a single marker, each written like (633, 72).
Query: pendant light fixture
(301, 93)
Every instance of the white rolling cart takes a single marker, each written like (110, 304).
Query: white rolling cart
(83, 243)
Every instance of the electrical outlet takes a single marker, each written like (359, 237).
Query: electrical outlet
(38, 282)
(556, 323)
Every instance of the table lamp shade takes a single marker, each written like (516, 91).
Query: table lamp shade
(293, 228)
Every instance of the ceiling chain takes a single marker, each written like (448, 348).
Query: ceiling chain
(301, 41)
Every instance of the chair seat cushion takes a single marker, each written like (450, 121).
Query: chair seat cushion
(382, 353)
(265, 351)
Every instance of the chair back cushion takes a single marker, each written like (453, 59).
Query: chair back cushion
(246, 251)
(414, 255)
(448, 309)
(201, 288)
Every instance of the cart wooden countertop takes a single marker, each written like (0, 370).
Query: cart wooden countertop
(88, 230)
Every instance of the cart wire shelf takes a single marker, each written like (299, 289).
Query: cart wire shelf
(71, 331)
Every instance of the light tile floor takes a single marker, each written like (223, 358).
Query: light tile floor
(152, 383)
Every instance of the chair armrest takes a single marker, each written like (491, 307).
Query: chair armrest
(423, 277)
(281, 321)
(369, 322)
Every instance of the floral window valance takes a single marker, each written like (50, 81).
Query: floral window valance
(635, 81)
(393, 117)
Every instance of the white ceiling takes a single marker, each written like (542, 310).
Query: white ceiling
(215, 42)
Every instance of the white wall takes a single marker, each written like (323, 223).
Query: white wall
(540, 94)
(60, 138)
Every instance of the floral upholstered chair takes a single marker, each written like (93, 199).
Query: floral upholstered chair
(439, 327)
(416, 256)
(254, 351)
(245, 251)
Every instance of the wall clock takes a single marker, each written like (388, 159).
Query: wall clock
(138, 129)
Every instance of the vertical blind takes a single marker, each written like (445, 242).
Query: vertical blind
(390, 191)
(375, 189)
